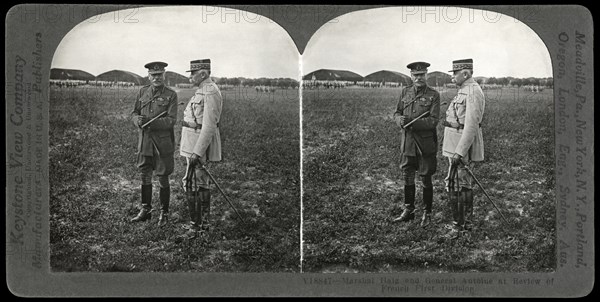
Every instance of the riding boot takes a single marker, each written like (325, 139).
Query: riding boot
(428, 201)
(409, 205)
(191, 197)
(165, 195)
(461, 209)
(145, 212)
(199, 209)
(205, 209)
(453, 203)
(468, 209)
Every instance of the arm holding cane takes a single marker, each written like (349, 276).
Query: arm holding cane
(198, 160)
(146, 122)
(166, 120)
(427, 120)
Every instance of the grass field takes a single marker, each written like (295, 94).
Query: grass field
(351, 185)
(95, 187)
(352, 181)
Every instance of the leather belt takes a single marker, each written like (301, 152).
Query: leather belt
(450, 125)
(189, 125)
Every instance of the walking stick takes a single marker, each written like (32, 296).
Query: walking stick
(416, 119)
(153, 119)
(486, 194)
(226, 198)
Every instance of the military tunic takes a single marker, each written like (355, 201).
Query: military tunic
(200, 132)
(462, 134)
(419, 140)
(157, 140)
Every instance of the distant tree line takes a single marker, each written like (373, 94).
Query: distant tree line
(505, 81)
(283, 83)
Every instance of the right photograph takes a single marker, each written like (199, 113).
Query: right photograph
(427, 144)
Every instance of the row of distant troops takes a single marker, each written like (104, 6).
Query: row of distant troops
(417, 115)
(76, 83)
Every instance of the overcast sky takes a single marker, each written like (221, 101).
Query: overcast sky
(238, 43)
(390, 38)
(244, 44)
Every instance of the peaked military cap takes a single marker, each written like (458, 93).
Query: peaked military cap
(156, 67)
(199, 64)
(462, 64)
(418, 67)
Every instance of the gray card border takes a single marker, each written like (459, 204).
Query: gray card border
(33, 31)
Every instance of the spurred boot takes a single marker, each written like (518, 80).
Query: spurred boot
(145, 212)
(428, 201)
(453, 197)
(165, 195)
(458, 215)
(409, 202)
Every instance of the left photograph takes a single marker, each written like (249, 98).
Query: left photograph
(174, 143)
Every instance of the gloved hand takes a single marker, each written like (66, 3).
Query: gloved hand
(141, 120)
(198, 160)
(402, 120)
(457, 160)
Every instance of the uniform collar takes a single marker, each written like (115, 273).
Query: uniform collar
(208, 81)
(467, 82)
(156, 89)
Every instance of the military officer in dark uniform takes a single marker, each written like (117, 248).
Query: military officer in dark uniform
(417, 115)
(155, 114)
